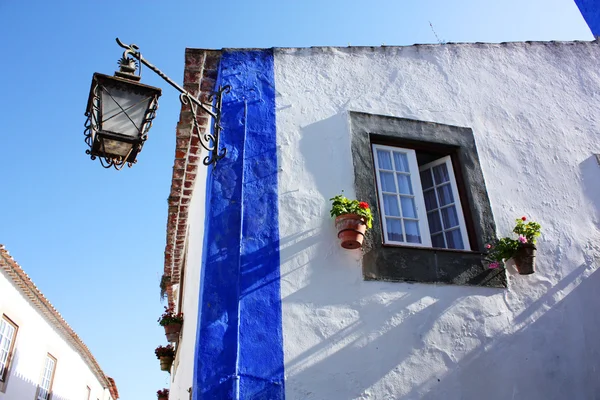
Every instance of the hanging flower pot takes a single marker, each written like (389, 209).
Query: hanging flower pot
(165, 354)
(165, 363)
(521, 250)
(163, 394)
(524, 259)
(351, 230)
(172, 332)
(172, 323)
(352, 219)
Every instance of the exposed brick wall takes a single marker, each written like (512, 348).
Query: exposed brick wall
(200, 74)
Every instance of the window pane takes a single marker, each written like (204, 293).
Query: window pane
(412, 231)
(401, 162)
(394, 230)
(7, 332)
(440, 174)
(408, 207)
(449, 217)
(435, 223)
(445, 195)
(430, 200)
(390, 203)
(385, 161)
(438, 241)
(454, 239)
(404, 184)
(387, 182)
(426, 179)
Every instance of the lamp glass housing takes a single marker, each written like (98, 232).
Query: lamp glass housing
(121, 112)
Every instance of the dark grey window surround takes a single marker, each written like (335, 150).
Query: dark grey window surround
(414, 264)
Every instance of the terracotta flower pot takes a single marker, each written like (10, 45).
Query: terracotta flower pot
(172, 332)
(165, 363)
(351, 230)
(163, 397)
(525, 259)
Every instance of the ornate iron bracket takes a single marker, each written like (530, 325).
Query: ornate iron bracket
(208, 140)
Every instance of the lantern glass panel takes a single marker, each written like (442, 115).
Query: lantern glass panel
(123, 112)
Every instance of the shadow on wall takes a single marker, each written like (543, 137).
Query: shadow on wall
(555, 357)
(358, 335)
(590, 172)
(19, 387)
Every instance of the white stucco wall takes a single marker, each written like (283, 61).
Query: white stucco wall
(183, 365)
(35, 339)
(533, 109)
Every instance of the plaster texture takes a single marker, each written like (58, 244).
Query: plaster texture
(36, 337)
(533, 111)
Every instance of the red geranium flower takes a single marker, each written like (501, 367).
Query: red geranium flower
(363, 204)
(524, 218)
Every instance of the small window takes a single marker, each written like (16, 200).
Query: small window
(432, 215)
(8, 334)
(45, 386)
(420, 203)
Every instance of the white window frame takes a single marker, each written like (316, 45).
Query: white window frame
(419, 201)
(43, 392)
(6, 345)
(457, 204)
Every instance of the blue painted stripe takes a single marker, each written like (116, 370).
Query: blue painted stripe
(239, 352)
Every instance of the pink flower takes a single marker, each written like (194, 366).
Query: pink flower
(524, 218)
(494, 264)
(488, 246)
(522, 239)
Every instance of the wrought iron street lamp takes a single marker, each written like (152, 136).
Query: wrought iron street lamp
(120, 111)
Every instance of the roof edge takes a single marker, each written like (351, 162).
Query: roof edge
(25, 285)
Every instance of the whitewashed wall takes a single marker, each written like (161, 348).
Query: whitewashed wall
(534, 112)
(35, 339)
(183, 366)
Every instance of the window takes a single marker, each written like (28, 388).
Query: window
(432, 215)
(420, 203)
(8, 334)
(45, 386)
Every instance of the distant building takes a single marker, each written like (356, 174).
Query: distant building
(274, 308)
(41, 357)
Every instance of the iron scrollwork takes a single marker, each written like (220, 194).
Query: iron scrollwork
(208, 139)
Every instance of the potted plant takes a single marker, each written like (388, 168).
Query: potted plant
(521, 250)
(165, 354)
(172, 323)
(352, 218)
(164, 283)
(163, 394)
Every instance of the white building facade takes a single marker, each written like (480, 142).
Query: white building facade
(274, 308)
(41, 357)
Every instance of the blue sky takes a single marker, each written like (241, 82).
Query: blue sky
(93, 239)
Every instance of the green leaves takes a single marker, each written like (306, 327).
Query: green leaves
(342, 205)
(505, 248)
(531, 230)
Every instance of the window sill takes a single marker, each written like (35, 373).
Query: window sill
(393, 263)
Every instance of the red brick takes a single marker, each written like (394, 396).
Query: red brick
(194, 59)
(207, 85)
(191, 76)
